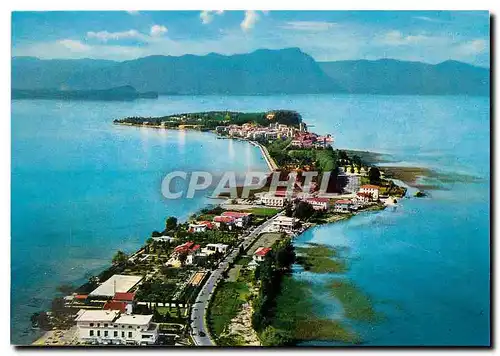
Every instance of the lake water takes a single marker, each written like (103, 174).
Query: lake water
(83, 188)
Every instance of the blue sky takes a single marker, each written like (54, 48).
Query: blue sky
(427, 36)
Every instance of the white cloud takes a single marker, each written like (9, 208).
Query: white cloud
(105, 36)
(430, 19)
(158, 30)
(207, 16)
(472, 47)
(74, 45)
(397, 38)
(313, 26)
(251, 18)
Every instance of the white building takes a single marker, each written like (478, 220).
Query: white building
(285, 223)
(240, 219)
(272, 200)
(163, 239)
(108, 327)
(353, 183)
(197, 227)
(116, 284)
(260, 254)
(221, 248)
(370, 189)
(343, 206)
(319, 203)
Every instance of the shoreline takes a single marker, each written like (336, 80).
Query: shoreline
(272, 166)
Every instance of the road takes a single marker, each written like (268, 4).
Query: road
(200, 306)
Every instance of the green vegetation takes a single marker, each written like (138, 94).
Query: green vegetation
(318, 259)
(356, 304)
(211, 119)
(120, 258)
(225, 305)
(266, 212)
(295, 314)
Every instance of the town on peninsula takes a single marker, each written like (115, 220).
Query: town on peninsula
(224, 277)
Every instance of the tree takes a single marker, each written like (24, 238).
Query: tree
(285, 254)
(155, 234)
(171, 223)
(357, 161)
(374, 175)
(275, 337)
(119, 258)
(303, 210)
(182, 258)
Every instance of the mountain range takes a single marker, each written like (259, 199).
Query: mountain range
(262, 72)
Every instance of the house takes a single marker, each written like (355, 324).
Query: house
(116, 305)
(285, 223)
(200, 226)
(163, 239)
(240, 219)
(221, 248)
(224, 220)
(116, 283)
(111, 327)
(272, 200)
(364, 198)
(343, 206)
(319, 203)
(189, 249)
(260, 254)
(371, 189)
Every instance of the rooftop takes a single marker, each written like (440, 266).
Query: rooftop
(97, 315)
(115, 305)
(124, 296)
(134, 319)
(262, 251)
(370, 186)
(117, 283)
(235, 214)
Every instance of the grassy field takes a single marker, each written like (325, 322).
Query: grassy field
(225, 304)
(295, 313)
(265, 240)
(356, 304)
(320, 259)
(263, 211)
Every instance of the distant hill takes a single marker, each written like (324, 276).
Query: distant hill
(263, 72)
(389, 76)
(120, 93)
(260, 72)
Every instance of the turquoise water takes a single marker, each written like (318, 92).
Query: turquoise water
(83, 188)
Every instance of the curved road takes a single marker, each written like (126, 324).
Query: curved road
(199, 329)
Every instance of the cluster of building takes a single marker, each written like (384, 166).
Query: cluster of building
(194, 254)
(310, 140)
(366, 194)
(106, 314)
(300, 137)
(230, 219)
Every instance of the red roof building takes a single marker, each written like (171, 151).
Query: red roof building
(126, 297)
(115, 305)
(184, 247)
(81, 296)
(235, 214)
(262, 251)
(224, 219)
